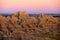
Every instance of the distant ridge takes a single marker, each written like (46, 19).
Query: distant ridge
(10, 14)
(3, 14)
(54, 15)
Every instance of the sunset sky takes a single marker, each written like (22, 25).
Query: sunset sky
(30, 6)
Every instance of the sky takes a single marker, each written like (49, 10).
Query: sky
(30, 6)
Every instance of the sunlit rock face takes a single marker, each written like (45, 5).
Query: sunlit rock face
(21, 26)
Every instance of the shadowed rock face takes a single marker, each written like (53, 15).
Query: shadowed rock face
(21, 26)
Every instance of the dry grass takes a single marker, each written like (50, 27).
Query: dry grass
(21, 26)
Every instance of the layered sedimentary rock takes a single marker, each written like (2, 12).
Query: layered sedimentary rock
(21, 26)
